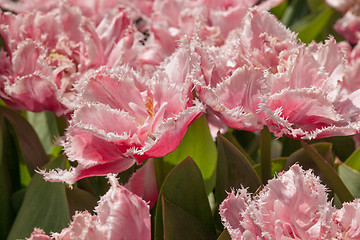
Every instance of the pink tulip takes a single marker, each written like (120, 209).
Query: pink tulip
(143, 183)
(120, 214)
(121, 119)
(292, 206)
(305, 100)
(46, 53)
(235, 73)
(348, 220)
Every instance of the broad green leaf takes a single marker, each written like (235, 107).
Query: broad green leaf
(233, 170)
(289, 146)
(45, 126)
(295, 11)
(29, 143)
(279, 10)
(185, 188)
(314, 4)
(224, 235)
(332, 178)
(80, 200)
(197, 144)
(351, 179)
(354, 160)
(343, 146)
(249, 141)
(229, 136)
(300, 156)
(44, 206)
(312, 25)
(181, 225)
(277, 165)
(9, 177)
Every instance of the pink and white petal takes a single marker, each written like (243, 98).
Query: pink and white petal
(348, 220)
(83, 226)
(87, 169)
(116, 87)
(169, 133)
(124, 213)
(38, 234)
(349, 27)
(340, 5)
(143, 183)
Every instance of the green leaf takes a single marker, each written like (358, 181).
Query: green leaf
(9, 177)
(277, 165)
(185, 188)
(354, 160)
(343, 146)
(229, 136)
(224, 235)
(197, 144)
(80, 200)
(29, 143)
(233, 170)
(312, 25)
(44, 206)
(45, 126)
(332, 179)
(295, 10)
(351, 179)
(181, 225)
(302, 157)
(280, 9)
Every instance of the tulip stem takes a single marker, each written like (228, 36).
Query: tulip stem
(265, 154)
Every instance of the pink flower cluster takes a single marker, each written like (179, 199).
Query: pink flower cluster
(292, 206)
(131, 76)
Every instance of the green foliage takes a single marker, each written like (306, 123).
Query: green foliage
(197, 144)
(183, 192)
(233, 170)
(332, 178)
(45, 206)
(27, 139)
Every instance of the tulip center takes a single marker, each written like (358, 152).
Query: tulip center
(150, 107)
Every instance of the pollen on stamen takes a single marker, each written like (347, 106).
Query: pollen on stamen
(150, 107)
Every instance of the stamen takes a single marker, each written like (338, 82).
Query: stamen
(150, 107)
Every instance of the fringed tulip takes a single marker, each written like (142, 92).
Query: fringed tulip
(305, 100)
(46, 53)
(292, 206)
(121, 119)
(120, 214)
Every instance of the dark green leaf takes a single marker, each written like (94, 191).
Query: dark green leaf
(229, 136)
(80, 200)
(312, 25)
(279, 10)
(289, 145)
(44, 206)
(181, 225)
(224, 235)
(197, 144)
(343, 146)
(295, 11)
(233, 170)
(332, 179)
(29, 143)
(185, 188)
(9, 177)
